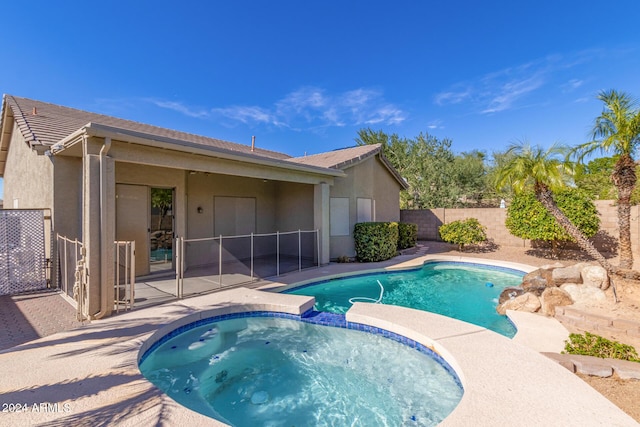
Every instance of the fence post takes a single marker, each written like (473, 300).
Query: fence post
(182, 252)
(318, 244)
(252, 256)
(132, 272)
(116, 285)
(277, 253)
(220, 263)
(299, 250)
(178, 261)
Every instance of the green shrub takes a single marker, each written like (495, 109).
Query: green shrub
(594, 345)
(375, 241)
(463, 232)
(407, 235)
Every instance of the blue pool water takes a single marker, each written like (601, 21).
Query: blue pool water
(266, 371)
(463, 291)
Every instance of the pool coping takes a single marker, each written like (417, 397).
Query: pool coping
(94, 369)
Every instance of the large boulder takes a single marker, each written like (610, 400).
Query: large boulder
(595, 276)
(537, 281)
(583, 293)
(572, 274)
(553, 297)
(510, 293)
(526, 302)
(552, 266)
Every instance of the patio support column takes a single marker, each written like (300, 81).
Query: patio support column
(91, 230)
(321, 219)
(99, 223)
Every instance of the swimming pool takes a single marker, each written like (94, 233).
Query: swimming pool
(464, 291)
(283, 371)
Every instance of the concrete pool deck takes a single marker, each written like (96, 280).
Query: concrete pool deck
(89, 376)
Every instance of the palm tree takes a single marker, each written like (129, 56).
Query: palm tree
(617, 130)
(544, 170)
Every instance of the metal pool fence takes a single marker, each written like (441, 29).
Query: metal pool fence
(224, 261)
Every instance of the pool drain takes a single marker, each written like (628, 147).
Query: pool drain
(259, 397)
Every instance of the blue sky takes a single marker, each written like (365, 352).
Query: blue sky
(304, 77)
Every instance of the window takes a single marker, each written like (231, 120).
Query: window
(339, 216)
(365, 210)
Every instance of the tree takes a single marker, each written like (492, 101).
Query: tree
(427, 164)
(533, 168)
(528, 219)
(594, 178)
(617, 129)
(162, 199)
(471, 176)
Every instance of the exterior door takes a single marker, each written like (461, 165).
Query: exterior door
(161, 230)
(132, 221)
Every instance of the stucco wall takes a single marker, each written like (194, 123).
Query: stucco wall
(387, 196)
(294, 206)
(28, 177)
(428, 221)
(67, 196)
(203, 188)
(368, 179)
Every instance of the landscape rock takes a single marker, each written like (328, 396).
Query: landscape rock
(552, 266)
(596, 276)
(583, 293)
(510, 293)
(526, 302)
(572, 274)
(537, 281)
(553, 297)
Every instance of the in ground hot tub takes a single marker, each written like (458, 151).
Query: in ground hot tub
(258, 369)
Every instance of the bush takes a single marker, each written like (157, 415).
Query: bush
(594, 345)
(463, 232)
(407, 235)
(375, 241)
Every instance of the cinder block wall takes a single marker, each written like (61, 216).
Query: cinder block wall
(428, 221)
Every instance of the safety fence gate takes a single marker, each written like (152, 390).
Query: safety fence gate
(72, 273)
(23, 264)
(217, 262)
(125, 275)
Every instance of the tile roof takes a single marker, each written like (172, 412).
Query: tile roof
(42, 123)
(47, 124)
(345, 157)
(338, 158)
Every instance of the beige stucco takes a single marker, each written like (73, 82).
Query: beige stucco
(369, 179)
(67, 196)
(32, 189)
(80, 181)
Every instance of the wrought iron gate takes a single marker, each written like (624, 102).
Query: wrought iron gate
(22, 251)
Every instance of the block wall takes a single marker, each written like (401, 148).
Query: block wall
(428, 221)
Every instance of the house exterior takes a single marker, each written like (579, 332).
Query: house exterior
(106, 179)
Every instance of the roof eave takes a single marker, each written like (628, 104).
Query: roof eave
(103, 131)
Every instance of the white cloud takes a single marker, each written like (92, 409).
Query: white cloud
(305, 108)
(314, 108)
(181, 108)
(571, 85)
(512, 91)
(435, 124)
(509, 87)
(452, 97)
(246, 114)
